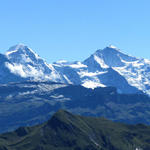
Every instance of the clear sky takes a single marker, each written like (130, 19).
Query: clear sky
(74, 29)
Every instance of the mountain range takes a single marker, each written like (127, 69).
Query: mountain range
(29, 103)
(106, 67)
(65, 131)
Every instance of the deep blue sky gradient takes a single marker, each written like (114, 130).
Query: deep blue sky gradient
(74, 29)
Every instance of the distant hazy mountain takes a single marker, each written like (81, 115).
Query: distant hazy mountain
(107, 67)
(30, 103)
(65, 131)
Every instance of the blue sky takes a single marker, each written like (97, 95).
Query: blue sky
(74, 29)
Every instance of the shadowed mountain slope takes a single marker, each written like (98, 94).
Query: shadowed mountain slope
(65, 131)
(29, 103)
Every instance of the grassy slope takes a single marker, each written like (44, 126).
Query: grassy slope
(65, 131)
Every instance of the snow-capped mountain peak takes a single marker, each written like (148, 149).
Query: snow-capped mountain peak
(19, 47)
(27, 64)
(106, 67)
(113, 57)
(21, 54)
(112, 46)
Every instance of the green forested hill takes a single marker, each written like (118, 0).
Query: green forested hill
(65, 131)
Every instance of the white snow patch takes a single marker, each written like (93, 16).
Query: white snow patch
(147, 61)
(112, 46)
(10, 52)
(25, 71)
(137, 64)
(57, 96)
(16, 69)
(49, 66)
(138, 149)
(92, 84)
(90, 74)
(100, 62)
(67, 79)
(34, 72)
(78, 65)
(36, 55)
(54, 76)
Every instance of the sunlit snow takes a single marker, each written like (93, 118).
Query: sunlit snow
(100, 61)
(27, 64)
(91, 84)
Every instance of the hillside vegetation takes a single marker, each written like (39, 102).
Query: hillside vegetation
(65, 131)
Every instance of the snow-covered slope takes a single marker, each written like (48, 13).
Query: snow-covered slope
(107, 67)
(98, 70)
(135, 71)
(27, 64)
(5, 73)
